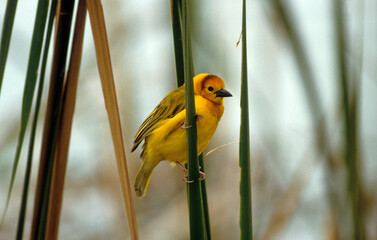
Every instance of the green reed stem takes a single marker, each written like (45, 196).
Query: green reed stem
(246, 224)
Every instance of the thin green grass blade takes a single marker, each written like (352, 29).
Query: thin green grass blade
(6, 35)
(41, 202)
(246, 223)
(196, 216)
(21, 218)
(350, 106)
(31, 77)
(176, 15)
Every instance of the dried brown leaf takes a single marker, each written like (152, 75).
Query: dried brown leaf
(107, 79)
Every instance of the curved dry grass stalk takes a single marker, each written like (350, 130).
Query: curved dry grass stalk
(219, 147)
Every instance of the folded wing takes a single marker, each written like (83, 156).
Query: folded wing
(170, 106)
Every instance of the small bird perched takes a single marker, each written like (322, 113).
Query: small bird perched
(164, 130)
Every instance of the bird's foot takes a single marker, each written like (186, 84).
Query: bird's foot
(202, 176)
(185, 179)
(185, 171)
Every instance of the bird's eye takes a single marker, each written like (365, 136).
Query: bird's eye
(210, 89)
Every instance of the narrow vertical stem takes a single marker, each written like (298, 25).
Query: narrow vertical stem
(205, 200)
(244, 151)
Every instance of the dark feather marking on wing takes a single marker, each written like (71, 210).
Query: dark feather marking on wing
(150, 121)
(170, 106)
(147, 127)
(176, 110)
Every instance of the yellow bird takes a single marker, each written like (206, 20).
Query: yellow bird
(164, 130)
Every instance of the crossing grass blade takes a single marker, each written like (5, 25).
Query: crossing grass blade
(314, 102)
(176, 18)
(349, 100)
(246, 223)
(307, 76)
(6, 35)
(41, 202)
(21, 219)
(107, 79)
(30, 82)
(64, 131)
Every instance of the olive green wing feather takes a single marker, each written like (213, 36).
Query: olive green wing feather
(172, 104)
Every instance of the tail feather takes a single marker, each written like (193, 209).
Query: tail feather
(142, 178)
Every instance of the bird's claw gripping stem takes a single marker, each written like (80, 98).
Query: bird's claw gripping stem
(185, 179)
(202, 175)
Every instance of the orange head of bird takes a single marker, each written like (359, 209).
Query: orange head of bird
(210, 87)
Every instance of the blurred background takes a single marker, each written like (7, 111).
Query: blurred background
(300, 177)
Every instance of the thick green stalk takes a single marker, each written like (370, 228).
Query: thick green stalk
(6, 34)
(246, 224)
(197, 231)
(30, 82)
(350, 127)
(21, 219)
(52, 120)
(176, 12)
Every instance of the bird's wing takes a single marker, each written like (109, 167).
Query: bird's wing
(170, 106)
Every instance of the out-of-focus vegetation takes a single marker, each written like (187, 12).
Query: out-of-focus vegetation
(312, 98)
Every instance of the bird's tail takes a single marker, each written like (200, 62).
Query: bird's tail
(143, 177)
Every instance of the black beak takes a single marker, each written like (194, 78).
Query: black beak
(223, 93)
